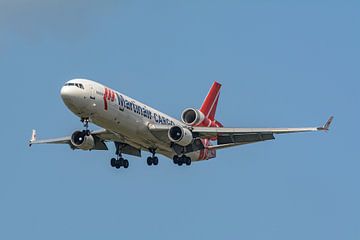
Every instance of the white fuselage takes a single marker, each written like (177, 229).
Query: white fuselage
(127, 118)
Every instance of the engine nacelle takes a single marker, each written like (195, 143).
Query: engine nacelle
(82, 140)
(191, 116)
(180, 135)
(194, 117)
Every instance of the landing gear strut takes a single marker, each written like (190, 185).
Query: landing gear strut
(85, 122)
(119, 161)
(182, 160)
(152, 160)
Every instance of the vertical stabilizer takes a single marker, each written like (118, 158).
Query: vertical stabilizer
(209, 105)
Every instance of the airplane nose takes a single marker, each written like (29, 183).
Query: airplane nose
(65, 93)
(69, 94)
(73, 96)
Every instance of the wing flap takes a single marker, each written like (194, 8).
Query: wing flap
(244, 138)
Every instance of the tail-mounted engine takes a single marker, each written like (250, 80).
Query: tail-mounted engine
(83, 140)
(194, 117)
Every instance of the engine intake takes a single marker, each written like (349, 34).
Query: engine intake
(180, 135)
(191, 116)
(82, 140)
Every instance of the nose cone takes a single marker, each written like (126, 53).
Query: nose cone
(72, 97)
(65, 93)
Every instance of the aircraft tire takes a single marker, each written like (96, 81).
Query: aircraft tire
(155, 161)
(188, 161)
(180, 161)
(175, 159)
(119, 163)
(149, 161)
(113, 162)
(126, 163)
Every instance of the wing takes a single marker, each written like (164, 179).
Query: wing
(100, 137)
(229, 137)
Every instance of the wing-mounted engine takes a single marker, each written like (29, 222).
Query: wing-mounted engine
(83, 140)
(180, 135)
(194, 117)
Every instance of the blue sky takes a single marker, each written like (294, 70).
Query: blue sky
(281, 63)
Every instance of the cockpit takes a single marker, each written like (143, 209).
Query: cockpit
(79, 85)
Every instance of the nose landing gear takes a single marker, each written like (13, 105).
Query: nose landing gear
(85, 122)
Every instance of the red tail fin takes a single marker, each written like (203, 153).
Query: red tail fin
(209, 105)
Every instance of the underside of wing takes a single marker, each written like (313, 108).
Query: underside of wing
(160, 132)
(229, 137)
(99, 143)
(100, 137)
(205, 132)
(61, 140)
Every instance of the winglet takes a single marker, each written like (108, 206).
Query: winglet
(33, 137)
(326, 127)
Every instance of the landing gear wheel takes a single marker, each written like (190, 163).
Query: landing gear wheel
(126, 163)
(155, 161)
(182, 160)
(149, 161)
(117, 165)
(113, 162)
(121, 162)
(175, 159)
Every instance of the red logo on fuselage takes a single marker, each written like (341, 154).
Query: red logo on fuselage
(109, 95)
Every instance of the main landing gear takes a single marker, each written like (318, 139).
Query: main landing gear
(182, 160)
(119, 161)
(153, 160)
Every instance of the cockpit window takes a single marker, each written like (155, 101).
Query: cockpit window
(79, 85)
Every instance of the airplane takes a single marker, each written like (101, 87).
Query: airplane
(135, 127)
